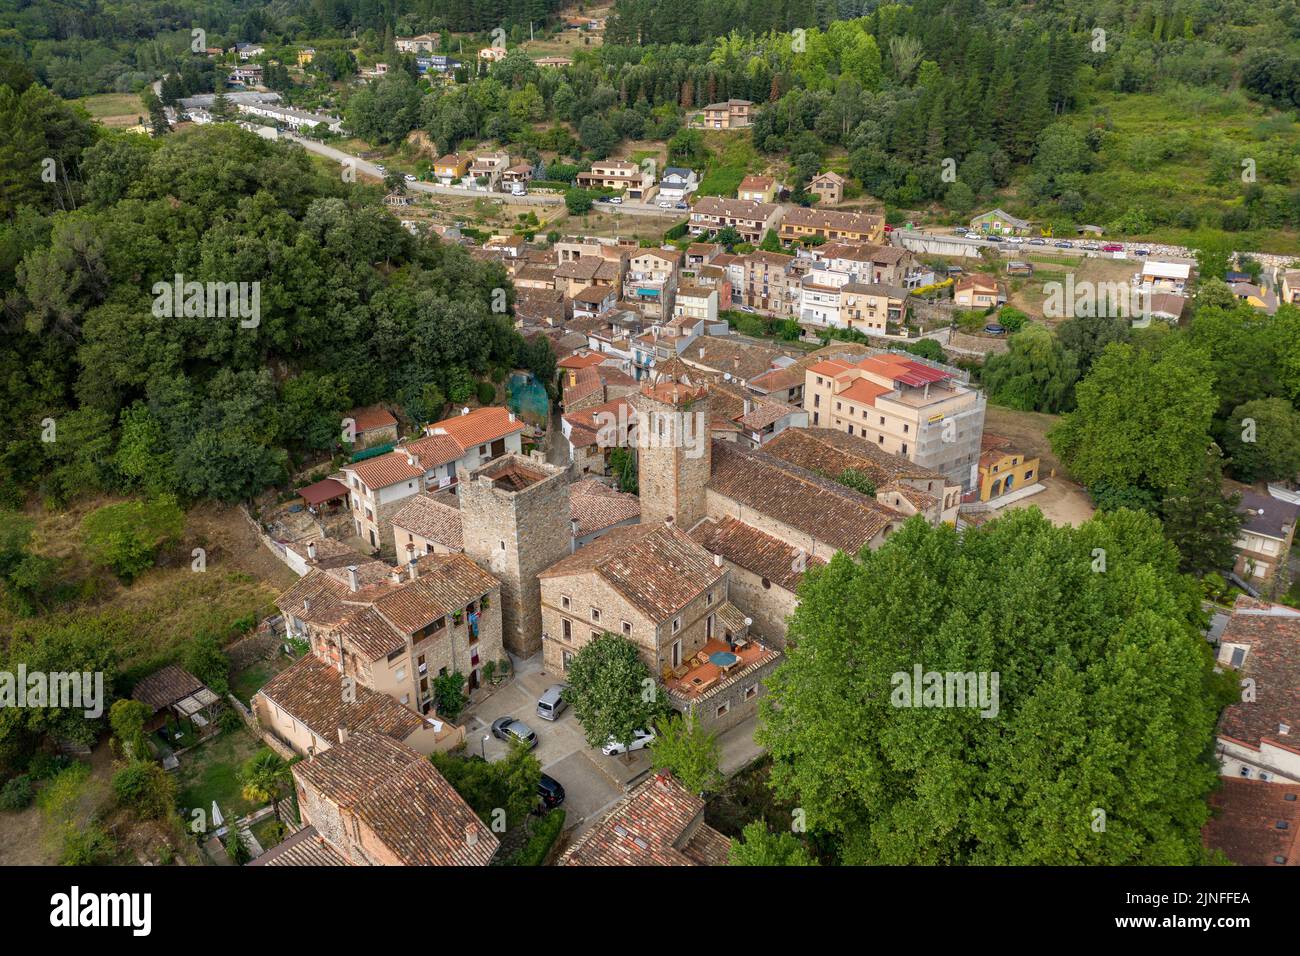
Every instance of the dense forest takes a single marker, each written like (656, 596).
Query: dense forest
(77, 48)
(353, 309)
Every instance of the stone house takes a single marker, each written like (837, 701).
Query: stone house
(376, 802)
(828, 187)
(393, 630)
(309, 708)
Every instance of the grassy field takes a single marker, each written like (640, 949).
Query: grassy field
(152, 619)
(731, 157)
(211, 772)
(113, 109)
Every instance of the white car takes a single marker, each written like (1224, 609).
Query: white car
(640, 738)
(615, 200)
(409, 178)
(1015, 239)
(381, 167)
(665, 204)
(973, 235)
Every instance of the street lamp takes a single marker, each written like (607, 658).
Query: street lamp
(483, 746)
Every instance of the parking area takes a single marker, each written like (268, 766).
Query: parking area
(591, 780)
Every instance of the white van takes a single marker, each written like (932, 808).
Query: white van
(551, 704)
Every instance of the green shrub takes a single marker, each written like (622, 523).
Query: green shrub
(230, 721)
(144, 788)
(91, 846)
(17, 793)
(205, 660)
(546, 831)
(487, 393)
(126, 537)
(43, 765)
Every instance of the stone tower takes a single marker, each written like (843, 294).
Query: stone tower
(514, 516)
(674, 451)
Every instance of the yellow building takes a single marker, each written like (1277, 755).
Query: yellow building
(305, 56)
(1003, 468)
(452, 166)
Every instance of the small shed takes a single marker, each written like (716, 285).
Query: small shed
(174, 690)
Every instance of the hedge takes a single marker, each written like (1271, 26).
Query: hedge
(544, 835)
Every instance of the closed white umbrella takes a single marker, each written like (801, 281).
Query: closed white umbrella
(217, 818)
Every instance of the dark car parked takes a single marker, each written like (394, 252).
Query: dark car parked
(550, 792)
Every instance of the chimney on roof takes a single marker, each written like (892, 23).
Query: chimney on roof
(668, 519)
(343, 734)
(306, 604)
(311, 550)
(471, 834)
(717, 560)
(411, 567)
(749, 406)
(395, 575)
(354, 583)
(512, 416)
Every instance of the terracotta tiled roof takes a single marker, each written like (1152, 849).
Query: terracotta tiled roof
(778, 379)
(1245, 823)
(581, 360)
(742, 359)
(763, 414)
(747, 547)
(312, 693)
(402, 798)
(822, 508)
(165, 687)
(830, 366)
(385, 470)
(370, 635)
(729, 404)
(478, 427)
(659, 824)
(1272, 632)
(372, 416)
(920, 500)
(584, 268)
(446, 583)
(430, 518)
(375, 619)
(596, 506)
(750, 183)
(864, 391)
(304, 848)
(859, 222)
(656, 567)
(831, 451)
(585, 424)
(977, 282)
(329, 553)
(745, 209)
(434, 450)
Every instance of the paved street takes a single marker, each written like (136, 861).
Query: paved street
(535, 199)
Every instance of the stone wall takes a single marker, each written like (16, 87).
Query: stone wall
(515, 535)
(768, 607)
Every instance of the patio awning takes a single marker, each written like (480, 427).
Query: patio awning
(327, 489)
